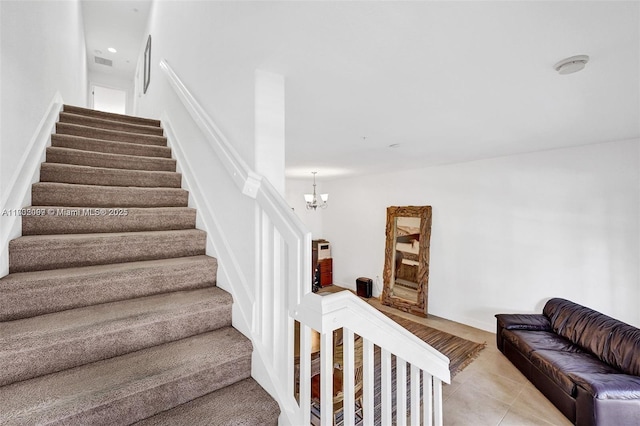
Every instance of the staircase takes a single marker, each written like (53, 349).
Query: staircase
(111, 314)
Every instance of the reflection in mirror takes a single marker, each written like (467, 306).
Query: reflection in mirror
(406, 270)
(405, 284)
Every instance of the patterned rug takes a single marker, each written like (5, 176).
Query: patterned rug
(461, 352)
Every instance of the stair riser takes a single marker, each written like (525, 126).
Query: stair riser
(140, 406)
(109, 135)
(97, 145)
(55, 253)
(64, 220)
(226, 406)
(113, 161)
(63, 173)
(52, 194)
(27, 295)
(111, 116)
(109, 125)
(107, 342)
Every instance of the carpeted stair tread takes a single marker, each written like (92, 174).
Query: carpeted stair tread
(113, 161)
(28, 294)
(45, 344)
(111, 116)
(110, 135)
(111, 147)
(74, 195)
(87, 175)
(102, 123)
(241, 404)
(40, 252)
(131, 387)
(81, 220)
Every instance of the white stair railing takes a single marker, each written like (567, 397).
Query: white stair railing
(283, 296)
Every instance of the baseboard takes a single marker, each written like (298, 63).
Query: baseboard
(18, 194)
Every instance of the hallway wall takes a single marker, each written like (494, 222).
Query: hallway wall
(42, 51)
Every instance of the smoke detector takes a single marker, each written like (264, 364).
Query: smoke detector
(572, 64)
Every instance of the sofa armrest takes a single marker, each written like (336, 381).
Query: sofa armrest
(607, 399)
(608, 386)
(532, 322)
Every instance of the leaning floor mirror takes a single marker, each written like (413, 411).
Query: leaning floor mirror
(406, 266)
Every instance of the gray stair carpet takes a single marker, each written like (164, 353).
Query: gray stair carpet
(110, 314)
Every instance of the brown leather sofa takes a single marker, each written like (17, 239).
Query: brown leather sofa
(586, 363)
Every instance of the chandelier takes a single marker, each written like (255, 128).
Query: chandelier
(312, 199)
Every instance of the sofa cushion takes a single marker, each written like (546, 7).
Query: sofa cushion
(609, 386)
(528, 341)
(558, 366)
(612, 341)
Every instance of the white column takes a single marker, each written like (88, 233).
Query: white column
(269, 127)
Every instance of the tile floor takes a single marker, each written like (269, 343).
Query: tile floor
(490, 391)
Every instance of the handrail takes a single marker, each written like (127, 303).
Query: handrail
(244, 177)
(428, 368)
(283, 295)
(322, 313)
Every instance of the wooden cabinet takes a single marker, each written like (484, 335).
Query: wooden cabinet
(322, 271)
(326, 271)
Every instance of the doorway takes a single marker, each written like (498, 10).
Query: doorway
(109, 100)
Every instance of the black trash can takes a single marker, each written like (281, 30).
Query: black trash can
(364, 287)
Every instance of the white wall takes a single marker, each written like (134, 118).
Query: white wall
(216, 58)
(42, 51)
(111, 82)
(183, 33)
(508, 233)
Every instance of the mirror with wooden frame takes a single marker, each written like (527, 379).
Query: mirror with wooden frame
(406, 265)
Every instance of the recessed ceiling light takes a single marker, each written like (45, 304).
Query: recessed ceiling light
(112, 50)
(572, 64)
(98, 52)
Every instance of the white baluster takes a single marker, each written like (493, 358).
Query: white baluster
(437, 401)
(427, 398)
(415, 396)
(368, 383)
(326, 375)
(401, 391)
(386, 387)
(348, 383)
(305, 374)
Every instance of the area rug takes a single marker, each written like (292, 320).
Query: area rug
(461, 352)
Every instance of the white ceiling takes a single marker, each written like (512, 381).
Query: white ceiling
(119, 24)
(447, 81)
